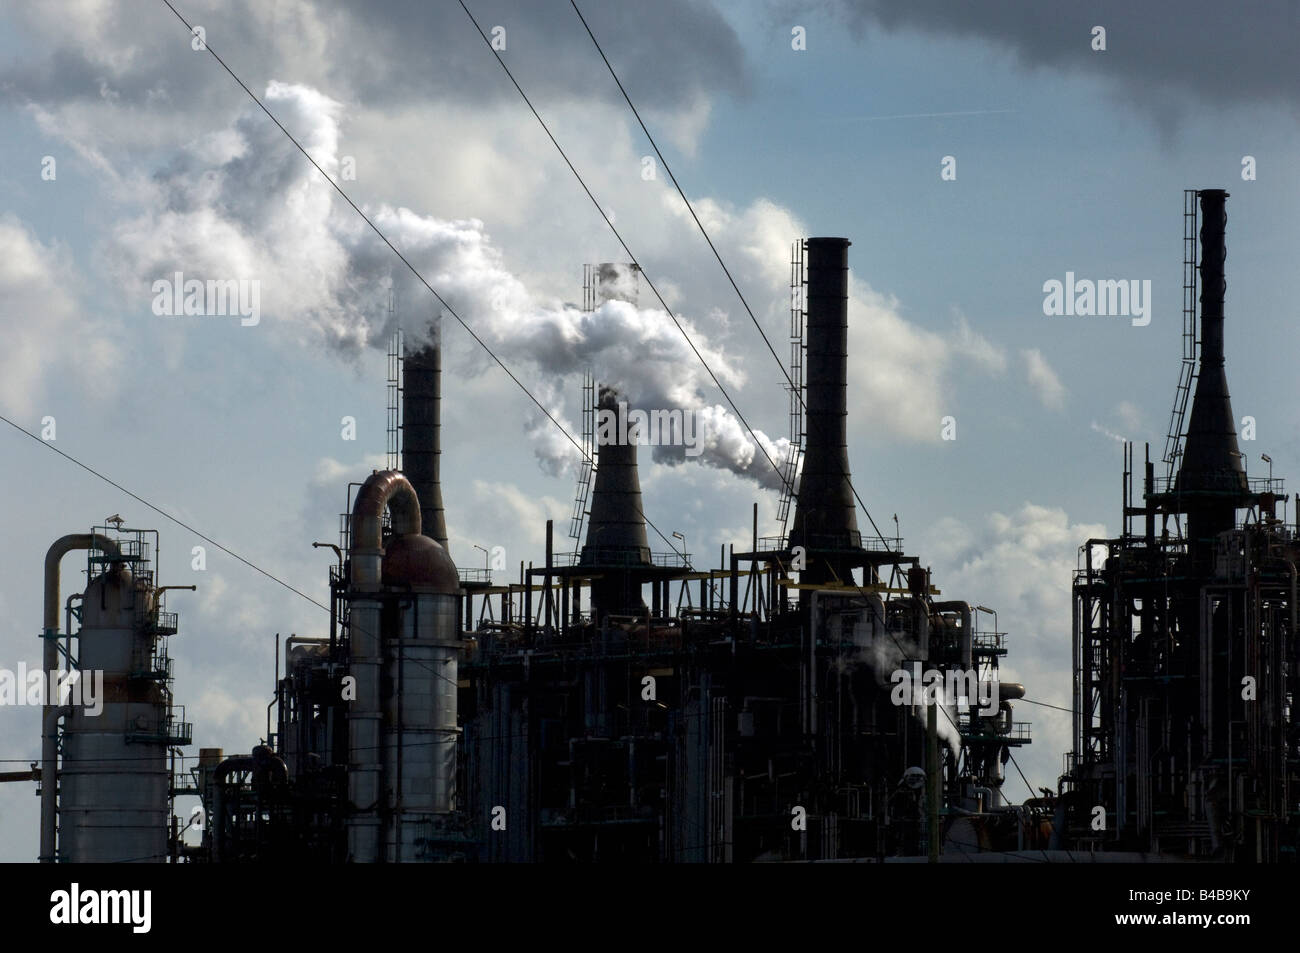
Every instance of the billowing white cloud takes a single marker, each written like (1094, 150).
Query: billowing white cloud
(1021, 564)
(244, 205)
(1042, 379)
(1129, 417)
(43, 322)
(970, 345)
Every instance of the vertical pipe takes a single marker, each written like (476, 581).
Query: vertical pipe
(932, 776)
(384, 490)
(50, 663)
(550, 563)
(564, 606)
(528, 603)
(735, 586)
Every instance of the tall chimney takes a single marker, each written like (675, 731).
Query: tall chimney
(617, 526)
(616, 536)
(422, 433)
(824, 516)
(1211, 479)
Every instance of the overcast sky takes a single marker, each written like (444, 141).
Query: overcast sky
(1066, 158)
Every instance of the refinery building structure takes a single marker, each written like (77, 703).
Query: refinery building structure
(623, 701)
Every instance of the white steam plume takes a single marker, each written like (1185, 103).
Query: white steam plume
(244, 203)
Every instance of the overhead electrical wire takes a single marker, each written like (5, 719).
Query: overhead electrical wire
(731, 279)
(405, 261)
(713, 248)
(604, 215)
(164, 514)
(455, 315)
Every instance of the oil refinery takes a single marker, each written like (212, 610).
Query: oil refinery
(812, 693)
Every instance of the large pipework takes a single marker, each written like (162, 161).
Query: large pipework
(49, 663)
(422, 434)
(825, 517)
(965, 640)
(404, 649)
(384, 490)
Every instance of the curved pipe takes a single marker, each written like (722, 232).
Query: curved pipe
(50, 663)
(269, 766)
(384, 490)
(55, 554)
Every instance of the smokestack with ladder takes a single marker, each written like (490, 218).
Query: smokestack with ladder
(1211, 481)
(825, 519)
(616, 537)
(422, 432)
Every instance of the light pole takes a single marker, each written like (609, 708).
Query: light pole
(685, 556)
(486, 567)
(992, 612)
(1269, 460)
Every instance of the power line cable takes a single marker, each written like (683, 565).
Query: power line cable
(669, 311)
(713, 248)
(163, 513)
(414, 271)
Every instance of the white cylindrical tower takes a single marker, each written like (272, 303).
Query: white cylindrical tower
(403, 642)
(420, 675)
(113, 784)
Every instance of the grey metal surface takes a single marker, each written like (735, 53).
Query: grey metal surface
(383, 490)
(113, 783)
(49, 663)
(419, 735)
(404, 633)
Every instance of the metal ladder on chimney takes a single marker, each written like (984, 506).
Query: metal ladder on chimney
(1187, 373)
(589, 288)
(396, 348)
(586, 467)
(790, 466)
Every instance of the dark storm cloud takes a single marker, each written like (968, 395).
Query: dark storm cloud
(1221, 53)
(377, 53)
